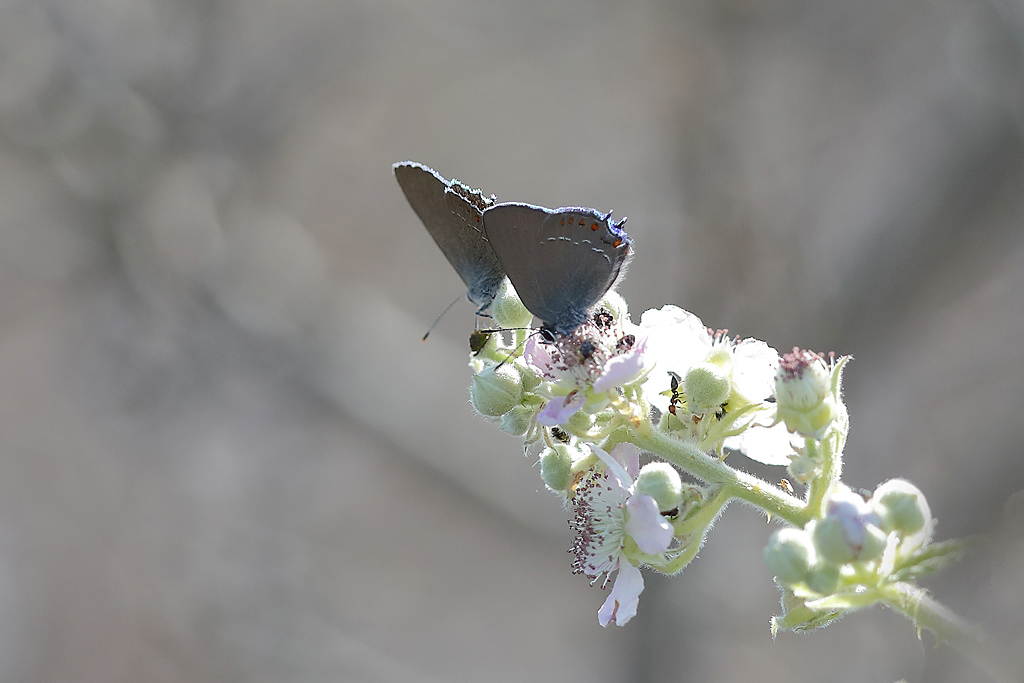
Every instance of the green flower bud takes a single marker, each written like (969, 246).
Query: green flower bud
(829, 540)
(803, 391)
(874, 544)
(811, 423)
(581, 421)
(495, 391)
(789, 556)
(507, 310)
(531, 380)
(707, 386)
(901, 507)
(850, 531)
(661, 481)
(518, 420)
(556, 466)
(823, 578)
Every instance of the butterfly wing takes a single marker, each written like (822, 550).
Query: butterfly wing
(461, 241)
(561, 261)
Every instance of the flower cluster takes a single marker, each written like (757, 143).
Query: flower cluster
(578, 395)
(613, 410)
(842, 560)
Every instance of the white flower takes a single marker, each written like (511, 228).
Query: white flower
(676, 340)
(589, 364)
(602, 351)
(607, 510)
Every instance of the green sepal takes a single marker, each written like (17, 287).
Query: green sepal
(932, 558)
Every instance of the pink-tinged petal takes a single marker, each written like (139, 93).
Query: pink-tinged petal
(537, 356)
(623, 368)
(624, 599)
(628, 456)
(560, 409)
(616, 469)
(646, 525)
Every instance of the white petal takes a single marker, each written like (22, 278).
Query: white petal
(766, 445)
(753, 372)
(646, 525)
(676, 341)
(625, 596)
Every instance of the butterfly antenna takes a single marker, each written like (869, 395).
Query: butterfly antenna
(436, 321)
(515, 351)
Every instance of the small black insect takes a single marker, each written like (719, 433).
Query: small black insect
(673, 384)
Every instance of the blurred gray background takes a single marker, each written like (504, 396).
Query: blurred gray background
(227, 457)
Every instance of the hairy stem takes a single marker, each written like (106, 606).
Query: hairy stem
(714, 471)
(915, 603)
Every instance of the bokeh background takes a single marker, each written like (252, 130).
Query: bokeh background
(226, 456)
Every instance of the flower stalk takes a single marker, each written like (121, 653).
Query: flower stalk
(598, 400)
(736, 483)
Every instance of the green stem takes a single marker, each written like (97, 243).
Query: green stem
(925, 612)
(819, 486)
(735, 483)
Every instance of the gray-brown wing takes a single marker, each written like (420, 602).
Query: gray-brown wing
(463, 244)
(560, 261)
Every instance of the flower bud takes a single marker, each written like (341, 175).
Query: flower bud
(850, 530)
(707, 386)
(802, 380)
(902, 508)
(823, 578)
(556, 467)
(789, 556)
(507, 309)
(660, 481)
(531, 380)
(803, 391)
(518, 420)
(580, 421)
(804, 468)
(836, 543)
(495, 391)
